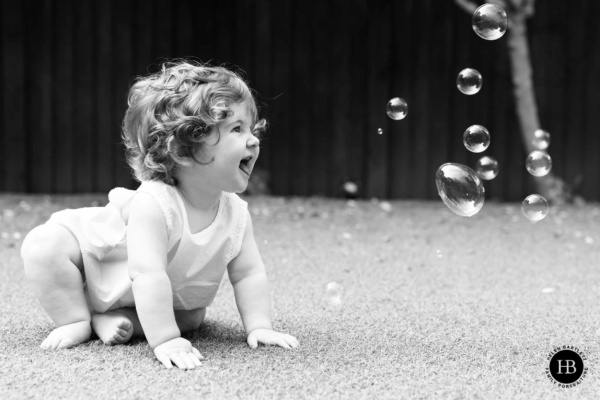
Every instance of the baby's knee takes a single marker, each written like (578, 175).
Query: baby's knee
(190, 320)
(48, 245)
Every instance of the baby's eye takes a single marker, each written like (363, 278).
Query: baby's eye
(237, 129)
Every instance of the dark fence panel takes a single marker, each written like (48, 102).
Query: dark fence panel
(324, 71)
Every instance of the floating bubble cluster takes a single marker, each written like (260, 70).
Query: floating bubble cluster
(538, 163)
(380, 131)
(489, 21)
(535, 207)
(333, 293)
(487, 168)
(397, 108)
(476, 138)
(469, 81)
(460, 189)
(541, 139)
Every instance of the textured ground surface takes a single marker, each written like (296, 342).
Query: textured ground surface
(434, 305)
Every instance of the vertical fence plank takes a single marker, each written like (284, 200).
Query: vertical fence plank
(122, 41)
(39, 96)
(378, 75)
(84, 140)
(14, 83)
(591, 103)
(261, 65)
(145, 56)
(441, 75)
(319, 99)
(355, 117)
(182, 29)
(421, 115)
(400, 132)
(105, 122)
(281, 137)
(163, 29)
(340, 93)
(203, 45)
(63, 98)
(300, 97)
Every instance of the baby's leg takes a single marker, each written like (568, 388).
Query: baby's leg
(120, 325)
(190, 320)
(117, 326)
(53, 265)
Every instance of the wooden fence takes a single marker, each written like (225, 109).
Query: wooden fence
(324, 71)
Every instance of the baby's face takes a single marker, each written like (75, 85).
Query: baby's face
(234, 150)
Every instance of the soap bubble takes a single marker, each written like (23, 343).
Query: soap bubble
(333, 293)
(535, 207)
(487, 168)
(538, 163)
(541, 139)
(397, 108)
(469, 81)
(476, 138)
(489, 22)
(460, 188)
(380, 131)
(350, 189)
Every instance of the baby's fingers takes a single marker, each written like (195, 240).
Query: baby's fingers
(292, 341)
(165, 360)
(197, 353)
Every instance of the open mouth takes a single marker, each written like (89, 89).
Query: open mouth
(246, 165)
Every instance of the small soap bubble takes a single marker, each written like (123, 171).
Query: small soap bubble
(538, 163)
(541, 139)
(333, 293)
(487, 168)
(535, 207)
(489, 21)
(460, 189)
(350, 189)
(397, 108)
(476, 138)
(380, 131)
(469, 81)
(385, 206)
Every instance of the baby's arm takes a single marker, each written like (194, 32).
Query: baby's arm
(147, 260)
(249, 279)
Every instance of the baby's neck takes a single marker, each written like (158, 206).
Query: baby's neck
(199, 200)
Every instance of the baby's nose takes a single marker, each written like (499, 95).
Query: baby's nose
(253, 141)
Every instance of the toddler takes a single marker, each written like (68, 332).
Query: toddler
(151, 261)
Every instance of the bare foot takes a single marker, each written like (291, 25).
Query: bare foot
(112, 328)
(67, 336)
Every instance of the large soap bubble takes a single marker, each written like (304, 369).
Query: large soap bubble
(487, 168)
(489, 21)
(535, 207)
(397, 108)
(469, 81)
(460, 188)
(476, 138)
(541, 139)
(538, 163)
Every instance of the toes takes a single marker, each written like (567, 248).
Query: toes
(120, 334)
(66, 344)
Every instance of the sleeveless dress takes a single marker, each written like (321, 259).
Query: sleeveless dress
(196, 262)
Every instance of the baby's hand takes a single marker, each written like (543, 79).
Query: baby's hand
(267, 336)
(180, 352)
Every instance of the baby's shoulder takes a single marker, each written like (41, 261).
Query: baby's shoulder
(166, 197)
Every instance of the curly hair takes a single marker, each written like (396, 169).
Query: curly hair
(172, 113)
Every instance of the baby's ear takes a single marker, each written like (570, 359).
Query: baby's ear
(173, 148)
